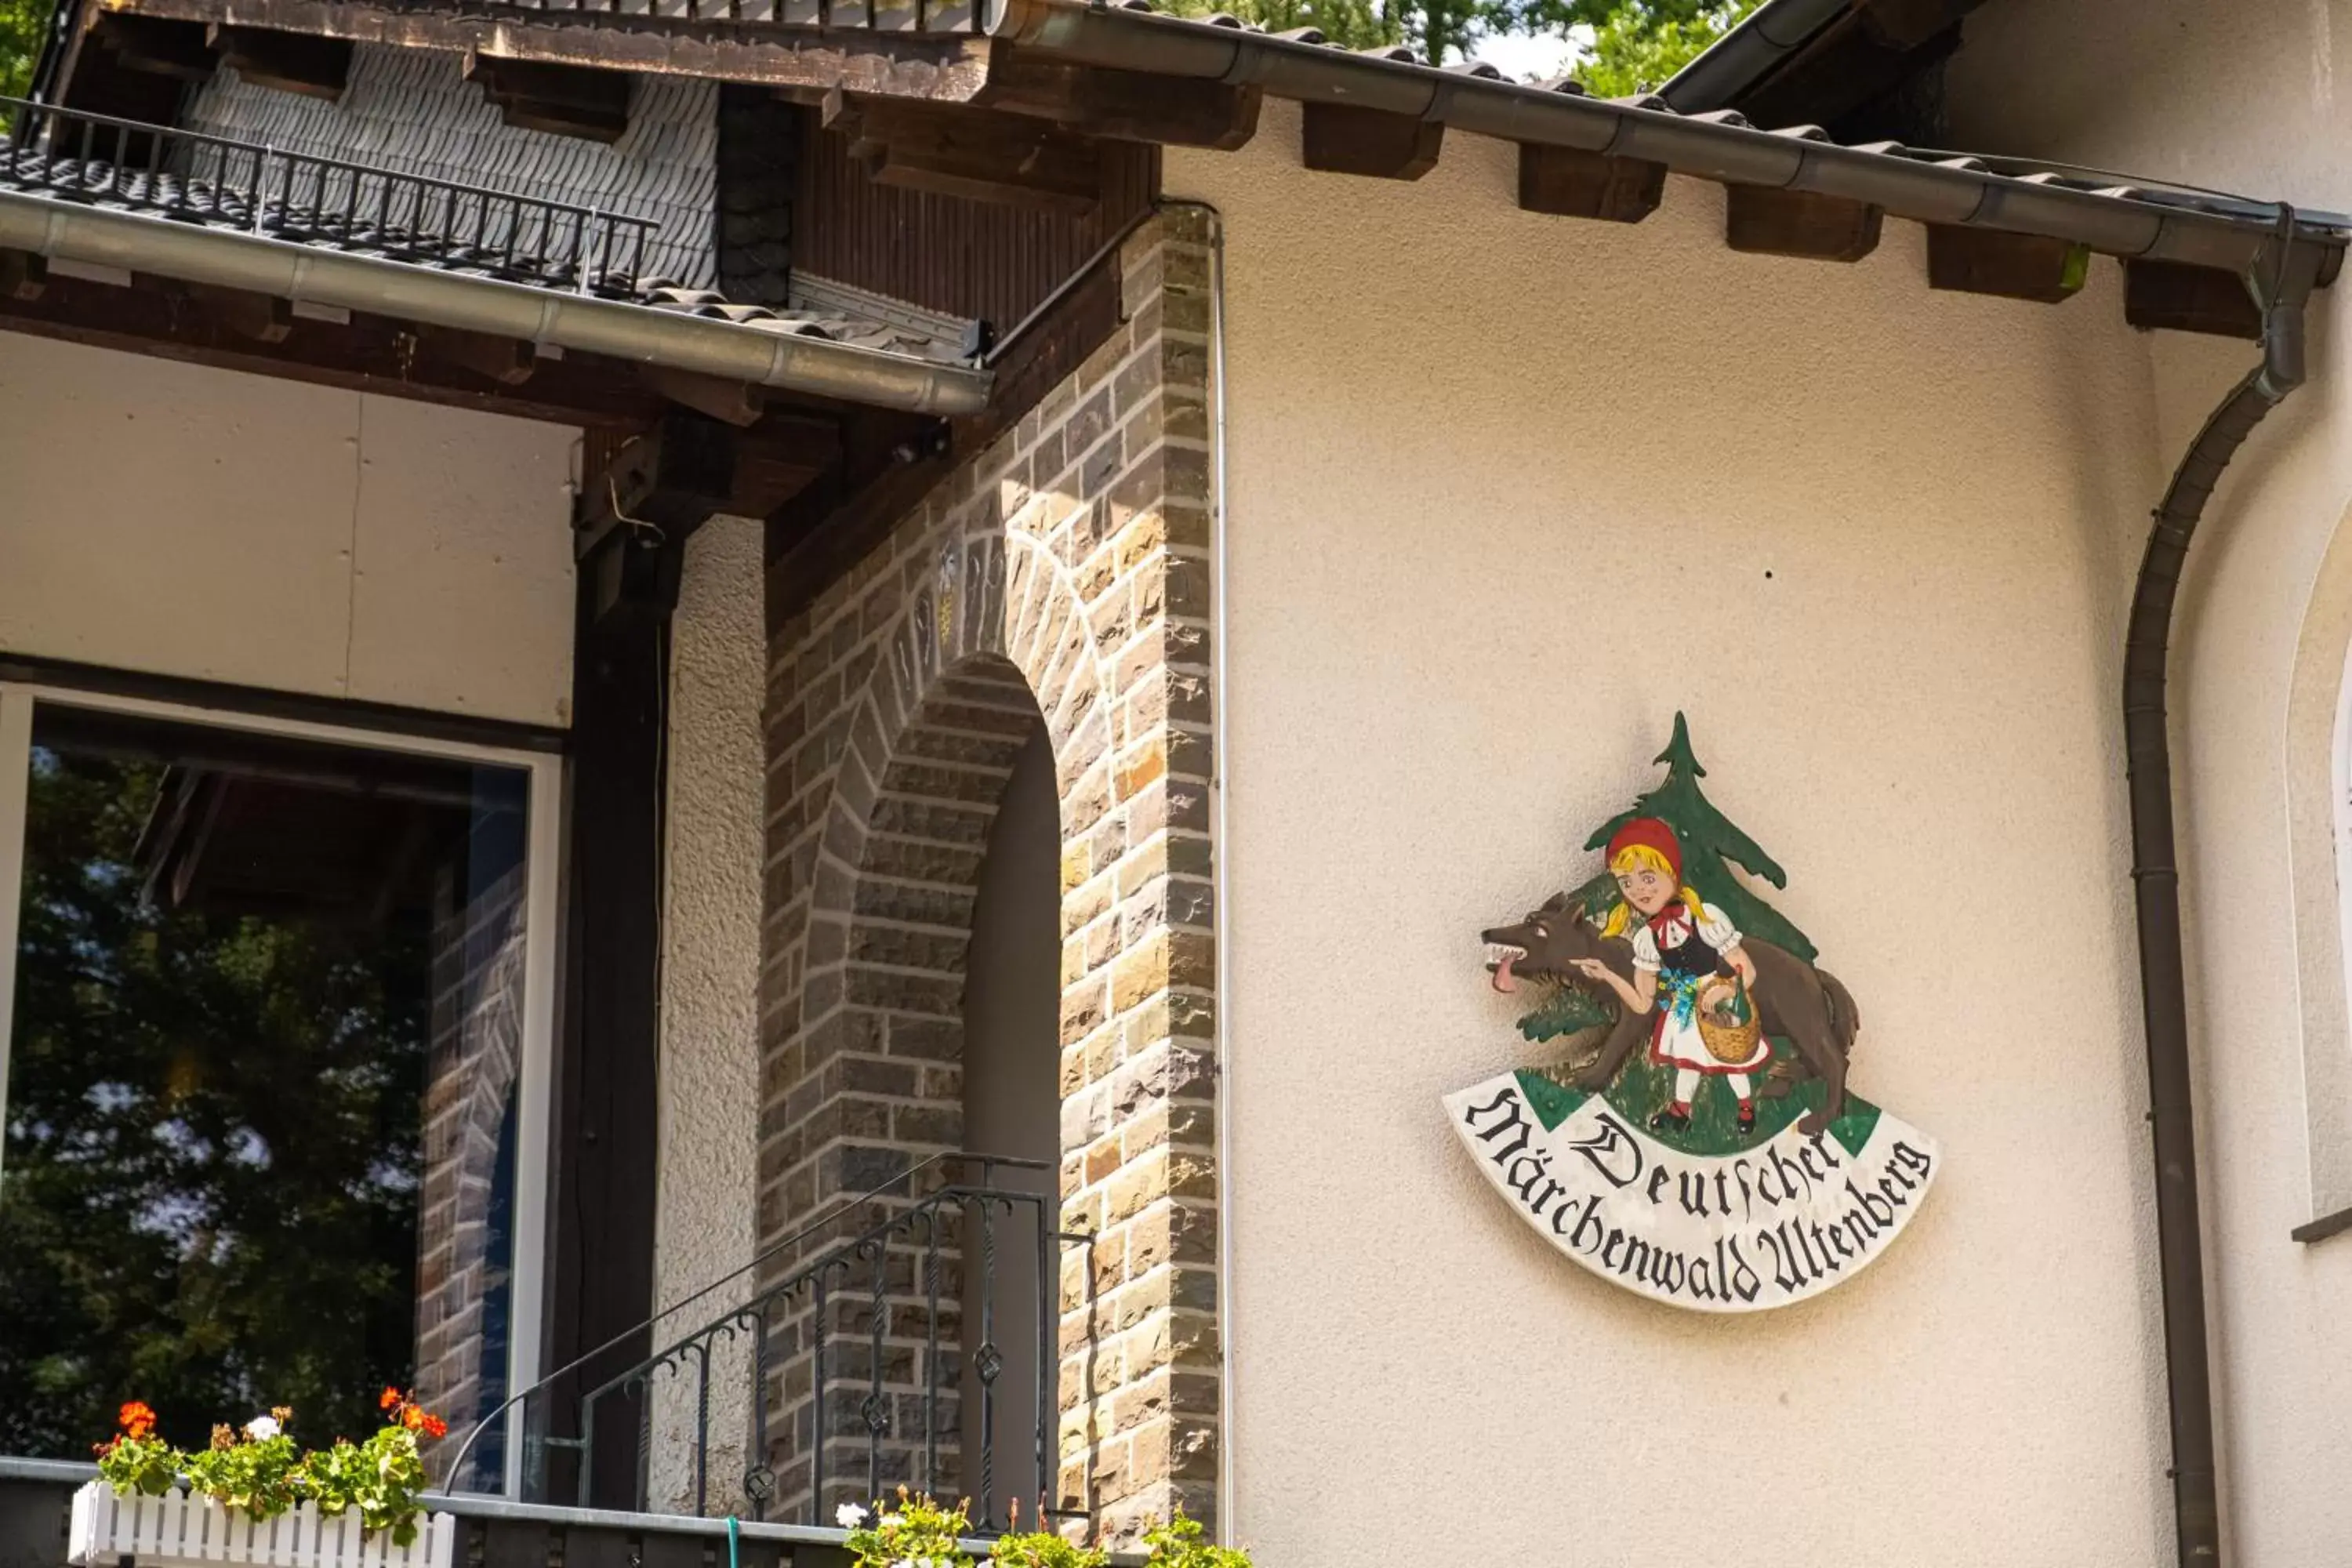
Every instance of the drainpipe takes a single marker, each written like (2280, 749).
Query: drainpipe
(2293, 269)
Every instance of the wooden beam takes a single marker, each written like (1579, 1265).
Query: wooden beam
(287, 62)
(1124, 105)
(890, 461)
(1768, 222)
(1571, 183)
(944, 67)
(732, 403)
(263, 318)
(1344, 138)
(2012, 266)
(155, 46)
(567, 100)
(367, 353)
(509, 362)
(2184, 299)
(23, 275)
(976, 153)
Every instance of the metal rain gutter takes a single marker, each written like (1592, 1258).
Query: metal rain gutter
(1738, 59)
(2149, 226)
(2155, 883)
(637, 334)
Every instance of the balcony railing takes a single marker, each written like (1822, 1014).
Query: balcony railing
(921, 1351)
(102, 161)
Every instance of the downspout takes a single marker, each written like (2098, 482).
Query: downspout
(2157, 883)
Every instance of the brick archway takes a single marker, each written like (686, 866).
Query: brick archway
(1064, 572)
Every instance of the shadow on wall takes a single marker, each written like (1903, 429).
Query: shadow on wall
(1012, 1010)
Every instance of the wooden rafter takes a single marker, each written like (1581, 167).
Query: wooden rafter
(2189, 299)
(566, 101)
(290, 62)
(977, 155)
(1769, 222)
(2011, 265)
(155, 46)
(172, 321)
(1571, 183)
(1344, 138)
(1124, 105)
(920, 66)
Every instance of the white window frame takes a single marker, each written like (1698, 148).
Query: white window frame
(541, 942)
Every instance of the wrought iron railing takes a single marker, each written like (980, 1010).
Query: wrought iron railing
(883, 1360)
(264, 190)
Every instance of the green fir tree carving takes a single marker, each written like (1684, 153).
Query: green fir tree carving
(1711, 847)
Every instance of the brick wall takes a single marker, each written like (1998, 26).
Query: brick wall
(477, 1049)
(1064, 574)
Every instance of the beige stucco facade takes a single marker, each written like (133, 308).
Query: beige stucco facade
(2254, 98)
(176, 519)
(1503, 493)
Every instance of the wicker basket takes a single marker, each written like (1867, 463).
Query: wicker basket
(1726, 1039)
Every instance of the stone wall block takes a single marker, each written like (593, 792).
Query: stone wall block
(1070, 559)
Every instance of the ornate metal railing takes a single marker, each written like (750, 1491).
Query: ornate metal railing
(859, 1364)
(104, 161)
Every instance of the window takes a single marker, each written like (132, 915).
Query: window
(275, 1004)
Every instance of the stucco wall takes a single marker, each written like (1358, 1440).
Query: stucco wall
(2254, 97)
(181, 521)
(710, 986)
(1504, 493)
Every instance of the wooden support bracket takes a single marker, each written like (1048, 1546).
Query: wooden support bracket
(1768, 222)
(509, 362)
(23, 275)
(1124, 105)
(734, 403)
(2185, 299)
(263, 318)
(1572, 182)
(1345, 139)
(2012, 265)
(978, 154)
(567, 100)
(289, 62)
(155, 47)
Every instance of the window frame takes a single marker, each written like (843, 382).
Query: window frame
(543, 942)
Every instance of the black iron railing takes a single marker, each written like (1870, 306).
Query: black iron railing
(104, 161)
(888, 1358)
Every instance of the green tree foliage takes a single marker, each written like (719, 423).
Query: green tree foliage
(1711, 847)
(209, 1192)
(1636, 47)
(23, 24)
(1635, 44)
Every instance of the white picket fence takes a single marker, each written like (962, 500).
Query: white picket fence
(176, 1530)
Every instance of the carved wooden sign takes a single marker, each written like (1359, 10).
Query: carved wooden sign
(1697, 1143)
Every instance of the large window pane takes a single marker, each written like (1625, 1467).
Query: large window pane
(261, 1093)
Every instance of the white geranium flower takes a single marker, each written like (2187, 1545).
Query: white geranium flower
(261, 1429)
(891, 1522)
(849, 1515)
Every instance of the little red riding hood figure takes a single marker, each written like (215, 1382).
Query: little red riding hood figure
(1682, 946)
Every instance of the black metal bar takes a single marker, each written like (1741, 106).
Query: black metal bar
(1049, 1300)
(931, 1351)
(702, 1431)
(816, 1412)
(878, 1410)
(759, 1454)
(987, 1356)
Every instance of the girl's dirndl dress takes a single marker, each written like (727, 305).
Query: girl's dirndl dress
(1684, 949)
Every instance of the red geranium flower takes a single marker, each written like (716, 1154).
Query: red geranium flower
(136, 1420)
(392, 1399)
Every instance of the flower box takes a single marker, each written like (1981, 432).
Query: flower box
(180, 1531)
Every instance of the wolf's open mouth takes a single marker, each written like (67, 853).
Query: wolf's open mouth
(1500, 956)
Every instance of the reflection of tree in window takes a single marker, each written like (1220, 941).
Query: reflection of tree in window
(210, 1186)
